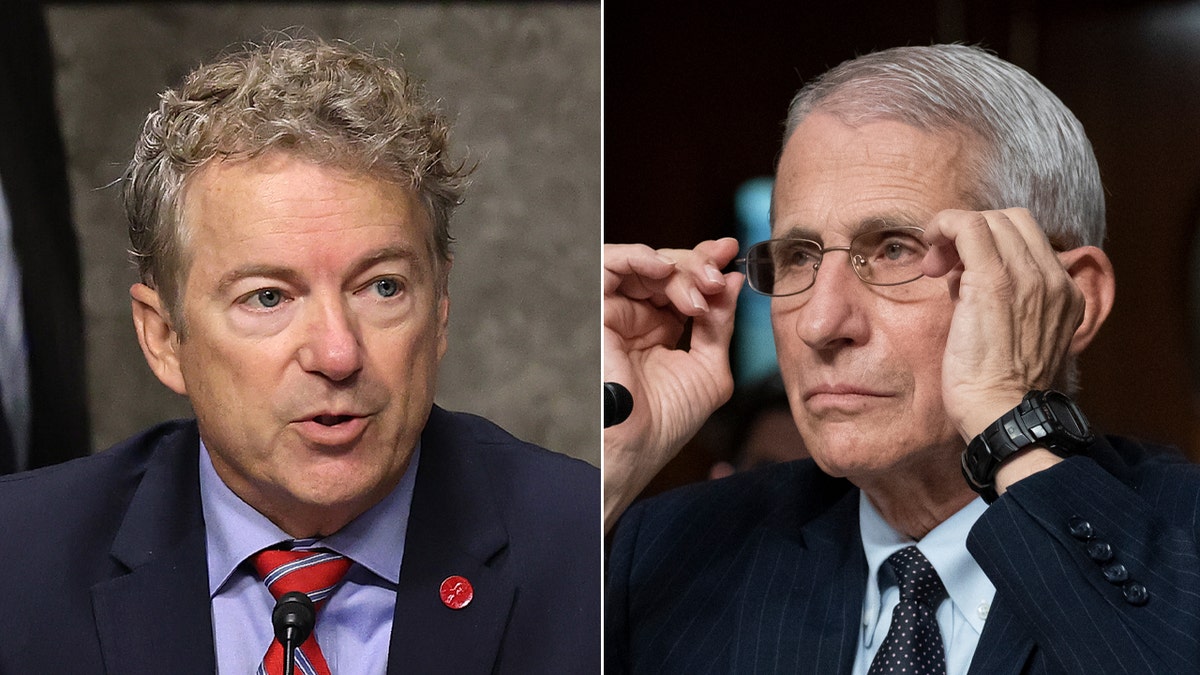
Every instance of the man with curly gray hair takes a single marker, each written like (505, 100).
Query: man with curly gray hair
(289, 210)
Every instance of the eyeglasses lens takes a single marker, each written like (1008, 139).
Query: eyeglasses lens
(880, 257)
(888, 257)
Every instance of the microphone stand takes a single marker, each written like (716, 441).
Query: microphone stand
(289, 652)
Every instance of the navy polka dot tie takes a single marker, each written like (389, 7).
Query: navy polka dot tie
(913, 644)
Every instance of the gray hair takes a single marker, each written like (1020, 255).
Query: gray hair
(330, 103)
(1034, 152)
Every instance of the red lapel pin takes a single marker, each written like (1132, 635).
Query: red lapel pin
(456, 592)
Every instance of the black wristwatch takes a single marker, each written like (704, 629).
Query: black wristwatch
(1046, 418)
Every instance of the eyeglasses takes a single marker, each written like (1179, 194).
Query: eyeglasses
(890, 257)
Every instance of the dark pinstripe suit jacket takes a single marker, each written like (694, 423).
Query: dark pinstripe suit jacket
(764, 572)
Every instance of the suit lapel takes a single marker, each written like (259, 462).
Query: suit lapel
(801, 598)
(156, 618)
(453, 529)
(836, 570)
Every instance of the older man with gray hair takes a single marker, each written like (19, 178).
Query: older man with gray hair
(934, 268)
(289, 208)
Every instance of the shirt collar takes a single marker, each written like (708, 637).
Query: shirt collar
(234, 530)
(945, 546)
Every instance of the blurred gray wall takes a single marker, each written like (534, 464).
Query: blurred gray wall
(523, 82)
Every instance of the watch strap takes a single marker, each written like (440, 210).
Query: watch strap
(1046, 418)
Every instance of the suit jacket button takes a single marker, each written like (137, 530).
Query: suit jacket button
(1135, 594)
(1080, 528)
(1099, 551)
(1116, 573)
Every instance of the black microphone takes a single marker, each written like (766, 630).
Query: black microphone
(293, 617)
(618, 404)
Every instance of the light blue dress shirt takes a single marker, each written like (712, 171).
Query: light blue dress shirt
(960, 617)
(354, 627)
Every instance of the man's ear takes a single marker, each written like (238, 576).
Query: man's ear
(1092, 272)
(443, 310)
(157, 336)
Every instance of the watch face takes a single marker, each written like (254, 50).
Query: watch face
(1068, 415)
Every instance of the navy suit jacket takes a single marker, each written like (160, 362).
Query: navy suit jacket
(765, 572)
(104, 567)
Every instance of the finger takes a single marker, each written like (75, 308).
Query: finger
(714, 329)
(698, 274)
(1035, 238)
(648, 291)
(1020, 267)
(1019, 236)
(704, 262)
(720, 252)
(1033, 262)
(632, 263)
(645, 282)
(635, 270)
(960, 238)
(1002, 253)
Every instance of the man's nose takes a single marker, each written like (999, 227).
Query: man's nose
(332, 343)
(829, 315)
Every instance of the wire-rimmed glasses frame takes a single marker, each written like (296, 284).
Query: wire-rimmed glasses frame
(883, 257)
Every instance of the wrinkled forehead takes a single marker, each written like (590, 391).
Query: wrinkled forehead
(835, 180)
(228, 183)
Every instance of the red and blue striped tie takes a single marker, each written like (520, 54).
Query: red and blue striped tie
(316, 573)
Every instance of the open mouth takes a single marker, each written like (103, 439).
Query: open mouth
(332, 420)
